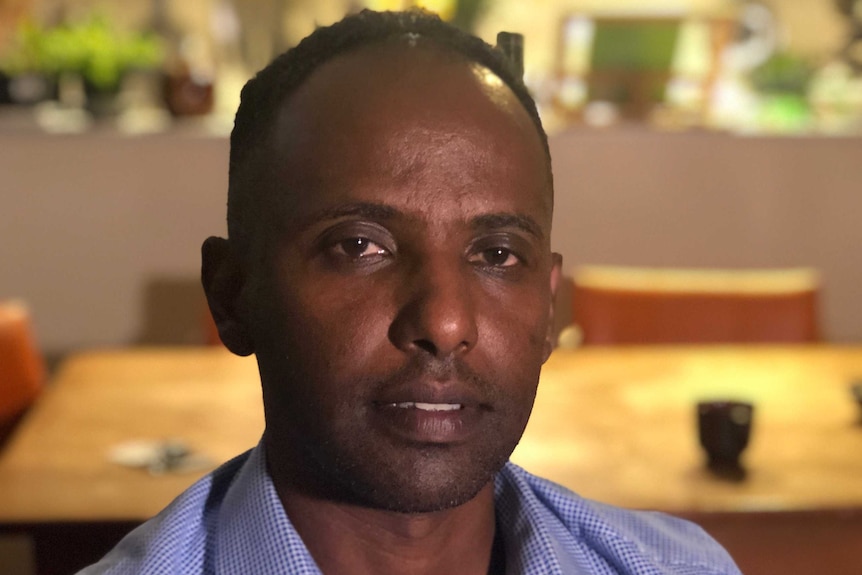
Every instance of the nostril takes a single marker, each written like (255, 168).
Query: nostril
(426, 345)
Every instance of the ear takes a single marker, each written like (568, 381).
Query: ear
(556, 273)
(223, 281)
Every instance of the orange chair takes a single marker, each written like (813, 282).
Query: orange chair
(616, 305)
(22, 369)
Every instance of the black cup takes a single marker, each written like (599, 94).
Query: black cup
(724, 428)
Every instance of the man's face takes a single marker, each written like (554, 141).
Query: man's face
(401, 315)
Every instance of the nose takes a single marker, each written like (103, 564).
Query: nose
(438, 314)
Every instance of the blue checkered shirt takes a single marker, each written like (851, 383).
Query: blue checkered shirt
(232, 521)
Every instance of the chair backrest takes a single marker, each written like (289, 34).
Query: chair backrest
(616, 305)
(22, 368)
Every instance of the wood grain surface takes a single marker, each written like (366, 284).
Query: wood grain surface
(613, 424)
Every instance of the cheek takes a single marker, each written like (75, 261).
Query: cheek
(512, 333)
(511, 339)
(517, 317)
(334, 327)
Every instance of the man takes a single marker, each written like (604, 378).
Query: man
(389, 264)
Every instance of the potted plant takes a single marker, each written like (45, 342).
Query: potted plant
(93, 50)
(783, 82)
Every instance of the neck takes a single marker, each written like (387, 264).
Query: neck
(349, 539)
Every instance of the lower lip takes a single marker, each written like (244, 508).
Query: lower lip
(429, 427)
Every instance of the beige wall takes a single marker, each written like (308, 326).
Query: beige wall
(635, 197)
(101, 233)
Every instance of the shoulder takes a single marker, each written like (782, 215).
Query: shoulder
(175, 541)
(601, 538)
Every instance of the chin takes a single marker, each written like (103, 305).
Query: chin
(426, 485)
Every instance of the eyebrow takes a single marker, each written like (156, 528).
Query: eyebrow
(366, 210)
(489, 222)
(383, 212)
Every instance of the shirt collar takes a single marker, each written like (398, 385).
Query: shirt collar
(536, 540)
(255, 535)
(255, 530)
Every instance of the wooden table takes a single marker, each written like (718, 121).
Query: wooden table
(57, 486)
(614, 424)
(619, 425)
(56, 467)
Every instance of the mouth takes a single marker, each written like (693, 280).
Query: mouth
(428, 406)
(428, 423)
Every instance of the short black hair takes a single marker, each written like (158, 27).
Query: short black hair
(263, 95)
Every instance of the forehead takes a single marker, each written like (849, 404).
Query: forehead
(406, 120)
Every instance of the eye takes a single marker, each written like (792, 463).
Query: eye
(498, 257)
(358, 248)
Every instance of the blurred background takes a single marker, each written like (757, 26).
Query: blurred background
(771, 66)
(707, 171)
(693, 133)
